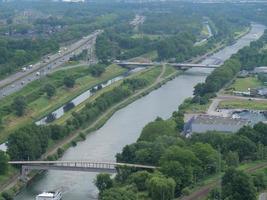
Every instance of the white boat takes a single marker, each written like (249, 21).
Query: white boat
(57, 195)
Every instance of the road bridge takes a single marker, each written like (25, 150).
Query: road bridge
(178, 65)
(84, 166)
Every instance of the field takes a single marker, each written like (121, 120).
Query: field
(242, 84)
(243, 104)
(40, 106)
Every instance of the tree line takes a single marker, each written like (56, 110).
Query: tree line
(31, 141)
(184, 162)
(247, 58)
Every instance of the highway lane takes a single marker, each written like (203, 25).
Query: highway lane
(19, 80)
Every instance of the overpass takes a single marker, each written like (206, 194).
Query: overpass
(178, 65)
(84, 166)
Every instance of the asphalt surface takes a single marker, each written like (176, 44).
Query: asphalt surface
(17, 81)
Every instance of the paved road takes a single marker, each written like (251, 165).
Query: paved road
(20, 79)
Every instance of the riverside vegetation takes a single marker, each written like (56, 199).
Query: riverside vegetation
(184, 162)
(119, 41)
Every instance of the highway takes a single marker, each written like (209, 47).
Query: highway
(17, 81)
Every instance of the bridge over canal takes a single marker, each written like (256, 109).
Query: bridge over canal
(84, 166)
(178, 65)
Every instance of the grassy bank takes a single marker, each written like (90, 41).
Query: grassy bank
(41, 105)
(243, 84)
(243, 104)
(152, 75)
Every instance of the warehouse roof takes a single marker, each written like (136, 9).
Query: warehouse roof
(210, 119)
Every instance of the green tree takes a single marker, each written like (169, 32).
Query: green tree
(236, 185)
(19, 105)
(208, 157)
(3, 163)
(139, 179)
(155, 129)
(50, 90)
(69, 81)
(260, 181)
(232, 159)
(103, 182)
(161, 188)
(118, 194)
(215, 194)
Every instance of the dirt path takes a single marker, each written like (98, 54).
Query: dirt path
(13, 180)
(203, 191)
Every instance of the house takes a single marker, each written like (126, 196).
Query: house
(204, 123)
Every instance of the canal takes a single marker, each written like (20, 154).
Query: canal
(124, 128)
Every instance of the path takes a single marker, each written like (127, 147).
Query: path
(202, 192)
(12, 182)
(67, 140)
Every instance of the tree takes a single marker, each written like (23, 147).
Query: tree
(161, 188)
(19, 105)
(176, 171)
(69, 81)
(103, 182)
(236, 185)
(215, 194)
(50, 90)
(155, 129)
(3, 163)
(208, 157)
(118, 194)
(232, 159)
(260, 181)
(139, 179)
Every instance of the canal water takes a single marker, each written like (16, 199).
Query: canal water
(124, 128)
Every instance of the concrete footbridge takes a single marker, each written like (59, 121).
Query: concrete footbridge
(84, 166)
(178, 65)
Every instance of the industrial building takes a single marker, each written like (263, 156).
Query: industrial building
(204, 123)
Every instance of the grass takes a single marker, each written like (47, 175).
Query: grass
(149, 74)
(4, 178)
(169, 71)
(150, 56)
(41, 106)
(243, 104)
(242, 84)
(189, 107)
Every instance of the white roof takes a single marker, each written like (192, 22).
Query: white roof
(46, 194)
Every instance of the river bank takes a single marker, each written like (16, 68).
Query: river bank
(123, 128)
(67, 142)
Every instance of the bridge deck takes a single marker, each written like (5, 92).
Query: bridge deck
(81, 163)
(186, 65)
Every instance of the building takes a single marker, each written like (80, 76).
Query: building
(243, 74)
(204, 123)
(259, 70)
(262, 92)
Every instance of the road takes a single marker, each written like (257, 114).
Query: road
(17, 81)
